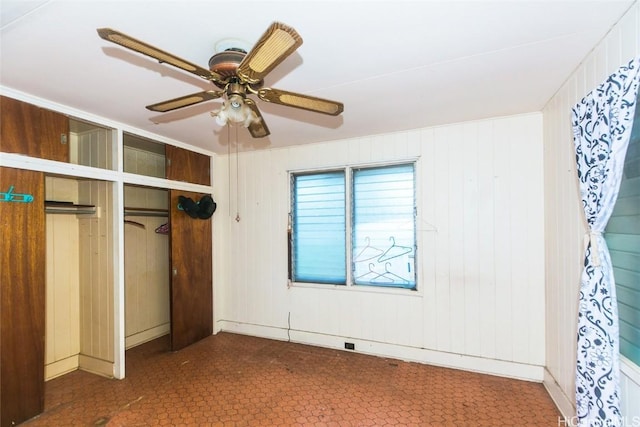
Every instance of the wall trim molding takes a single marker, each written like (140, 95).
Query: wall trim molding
(146, 336)
(501, 368)
(562, 401)
(96, 366)
(60, 367)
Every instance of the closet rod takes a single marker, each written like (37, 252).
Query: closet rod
(52, 207)
(145, 212)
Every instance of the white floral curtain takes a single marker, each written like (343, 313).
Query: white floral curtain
(602, 124)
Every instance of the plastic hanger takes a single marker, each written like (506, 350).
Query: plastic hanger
(10, 196)
(371, 271)
(390, 275)
(394, 251)
(368, 252)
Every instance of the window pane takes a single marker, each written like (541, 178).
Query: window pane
(623, 239)
(319, 228)
(383, 233)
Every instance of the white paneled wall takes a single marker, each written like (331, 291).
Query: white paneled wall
(480, 298)
(96, 279)
(144, 162)
(146, 267)
(92, 148)
(62, 338)
(79, 280)
(564, 226)
(146, 252)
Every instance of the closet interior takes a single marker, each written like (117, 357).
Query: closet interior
(80, 240)
(146, 244)
(146, 264)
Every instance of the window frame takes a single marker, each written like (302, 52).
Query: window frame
(349, 221)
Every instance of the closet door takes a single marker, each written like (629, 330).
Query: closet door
(22, 296)
(191, 277)
(54, 136)
(33, 131)
(187, 166)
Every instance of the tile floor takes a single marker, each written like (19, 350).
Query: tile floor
(236, 380)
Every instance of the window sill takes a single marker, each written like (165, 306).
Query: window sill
(358, 288)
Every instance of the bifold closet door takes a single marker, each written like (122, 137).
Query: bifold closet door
(190, 275)
(22, 295)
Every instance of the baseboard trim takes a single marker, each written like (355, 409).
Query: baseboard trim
(500, 368)
(96, 366)
(60, 367)
(146, 336)
(562, 401)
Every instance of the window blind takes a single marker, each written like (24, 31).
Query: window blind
(383, 233)
(320, 230)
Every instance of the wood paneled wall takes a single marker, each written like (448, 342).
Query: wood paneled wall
(564, 224)
(480, 250)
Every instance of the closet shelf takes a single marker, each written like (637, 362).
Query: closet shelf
(145, 212)
(56, 207)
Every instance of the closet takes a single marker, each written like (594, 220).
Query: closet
(146, 264)
(59, 252)
(79, 276)
(41, 133)
(80, 238)
(168, 277)
(146, 245)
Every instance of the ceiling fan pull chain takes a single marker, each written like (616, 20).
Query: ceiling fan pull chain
(229, 168)
(237, 179)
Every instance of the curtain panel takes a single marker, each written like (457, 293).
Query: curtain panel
(602, 123)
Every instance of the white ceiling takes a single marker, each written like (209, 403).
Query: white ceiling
(395, 65)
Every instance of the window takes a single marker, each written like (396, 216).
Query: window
(373, 216)
(319, 224)
(623, 239)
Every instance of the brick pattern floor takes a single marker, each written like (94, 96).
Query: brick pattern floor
(236, 380)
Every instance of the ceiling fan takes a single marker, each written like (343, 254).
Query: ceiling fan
(236, 74)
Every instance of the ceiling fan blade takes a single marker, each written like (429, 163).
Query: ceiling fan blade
(258, 128)
(184, 101)
(278, 42)
(298, 100)
(155, 53)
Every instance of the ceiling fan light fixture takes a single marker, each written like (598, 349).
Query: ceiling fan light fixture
(236, 70)
(235, 110)
(235, 103)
